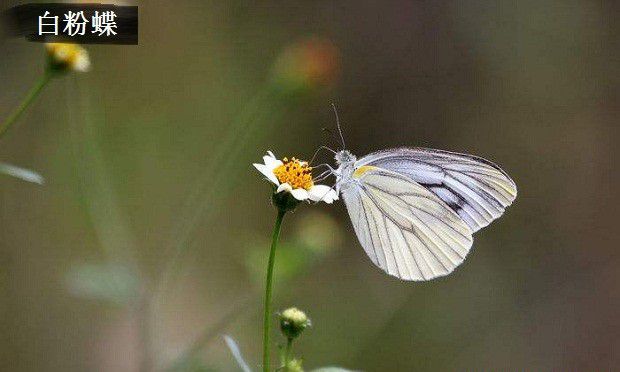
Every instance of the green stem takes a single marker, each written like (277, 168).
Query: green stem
(32, 94)
(267, 318)
(287, 352)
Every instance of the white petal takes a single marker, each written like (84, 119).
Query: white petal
(323, 193)
(300, 194)
(81, 63)
(284, 187)
(330, 197)
(271, 154)
(261, 168)
(267, 172)
(273, 164)
(271, 161)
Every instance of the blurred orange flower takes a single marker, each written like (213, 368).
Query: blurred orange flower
(307, 64)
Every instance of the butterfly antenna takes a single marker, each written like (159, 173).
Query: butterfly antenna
(338, 125)
(333, 137)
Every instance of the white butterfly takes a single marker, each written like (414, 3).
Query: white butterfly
(414, 210)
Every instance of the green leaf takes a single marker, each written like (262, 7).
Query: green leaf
(234, 349)
(315, 236)
(291, 260)
(333, 369)
(21, 173)
(115, 283)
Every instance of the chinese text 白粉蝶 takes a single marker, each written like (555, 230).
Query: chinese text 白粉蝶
(75, 23)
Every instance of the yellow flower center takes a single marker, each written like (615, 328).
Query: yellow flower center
(296, 173)
(63, 52)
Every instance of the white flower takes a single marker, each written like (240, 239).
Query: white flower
(68, 56)
(295, 177)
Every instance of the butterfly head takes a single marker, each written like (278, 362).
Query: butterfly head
(344, 157)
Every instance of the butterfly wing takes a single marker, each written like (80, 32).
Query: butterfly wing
(475, 188)
(406, 230)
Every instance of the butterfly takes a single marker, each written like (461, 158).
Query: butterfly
(414, 210)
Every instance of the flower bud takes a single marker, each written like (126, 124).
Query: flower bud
(294, 365)
(293, 322)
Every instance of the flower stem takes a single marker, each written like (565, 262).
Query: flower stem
(287, 352)
(32, 94)
(267, 318)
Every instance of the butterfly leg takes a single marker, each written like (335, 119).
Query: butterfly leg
(319, 150)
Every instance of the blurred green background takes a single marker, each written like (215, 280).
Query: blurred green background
(148, 240)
